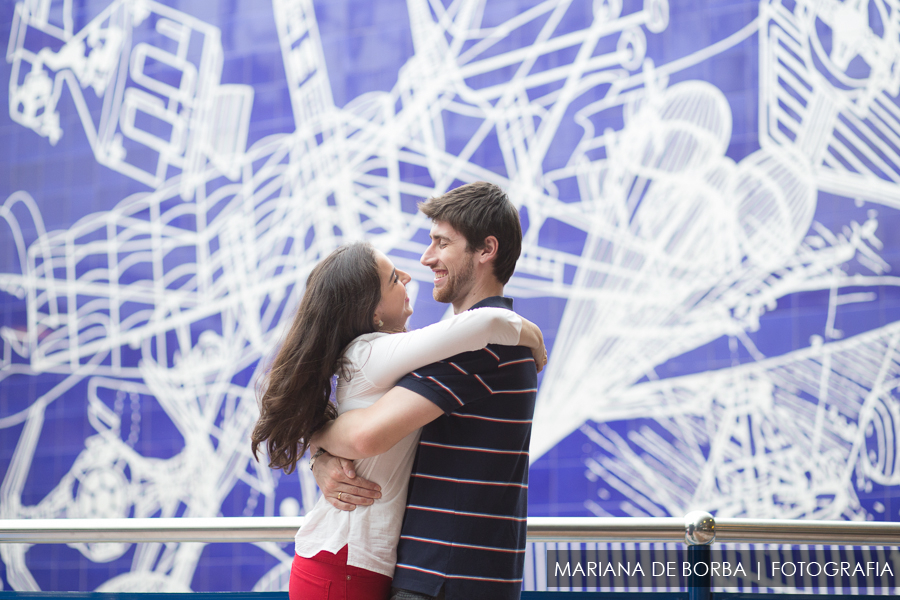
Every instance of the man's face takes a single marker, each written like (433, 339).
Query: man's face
(453, 266)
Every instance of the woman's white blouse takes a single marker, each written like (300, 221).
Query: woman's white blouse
(376, 362)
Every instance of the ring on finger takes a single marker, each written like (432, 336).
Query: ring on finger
(339, 496)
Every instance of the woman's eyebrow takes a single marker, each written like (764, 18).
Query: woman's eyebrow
(393, 273)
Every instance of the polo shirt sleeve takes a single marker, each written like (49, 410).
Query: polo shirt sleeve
(453, 383)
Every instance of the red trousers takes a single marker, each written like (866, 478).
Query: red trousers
(327, 576)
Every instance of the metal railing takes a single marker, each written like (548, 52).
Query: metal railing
(696, 528)
(699, 530)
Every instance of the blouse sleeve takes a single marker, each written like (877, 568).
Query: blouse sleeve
(393, 356)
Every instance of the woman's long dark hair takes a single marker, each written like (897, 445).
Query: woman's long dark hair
(339, 304)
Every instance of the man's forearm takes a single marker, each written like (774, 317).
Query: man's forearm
(342, 436)
(365, 432)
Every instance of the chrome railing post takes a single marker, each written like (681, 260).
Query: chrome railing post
(699, 534)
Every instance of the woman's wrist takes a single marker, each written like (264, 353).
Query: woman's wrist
(312, 459)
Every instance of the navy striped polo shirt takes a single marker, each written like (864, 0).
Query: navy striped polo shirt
(465, 521)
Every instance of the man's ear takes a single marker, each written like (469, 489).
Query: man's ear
(489, 249)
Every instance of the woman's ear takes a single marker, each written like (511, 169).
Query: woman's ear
(489, 249)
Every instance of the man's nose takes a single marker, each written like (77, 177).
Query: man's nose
(428, 258)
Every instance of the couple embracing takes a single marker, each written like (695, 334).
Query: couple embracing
(425, 477)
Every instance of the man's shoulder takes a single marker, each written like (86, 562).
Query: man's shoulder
(474, 361)
(494, 302)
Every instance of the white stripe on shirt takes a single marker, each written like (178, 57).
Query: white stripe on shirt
(472, 448)
(470, 481)
(446, 576)
(466, 514)
(457, 545)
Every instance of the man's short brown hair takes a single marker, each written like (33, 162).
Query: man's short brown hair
(478, 210)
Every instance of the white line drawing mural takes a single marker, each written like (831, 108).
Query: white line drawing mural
(173, 297)
(829, 82)
(827, 413)
(768, 206)
(162, 105)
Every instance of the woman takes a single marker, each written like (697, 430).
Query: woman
(353, 300)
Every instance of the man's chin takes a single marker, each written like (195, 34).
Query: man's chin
(442, 295)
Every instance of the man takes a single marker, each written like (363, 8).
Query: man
(464, 529)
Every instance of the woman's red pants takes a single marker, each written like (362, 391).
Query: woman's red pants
(327, 576)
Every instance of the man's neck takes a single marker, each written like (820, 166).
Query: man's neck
(479, 292)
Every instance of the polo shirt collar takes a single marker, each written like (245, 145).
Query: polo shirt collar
(495, 302)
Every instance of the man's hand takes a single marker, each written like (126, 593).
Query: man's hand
(341, 486)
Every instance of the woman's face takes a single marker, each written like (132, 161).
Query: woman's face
(394, 308)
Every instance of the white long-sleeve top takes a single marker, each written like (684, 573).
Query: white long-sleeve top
(376, 362)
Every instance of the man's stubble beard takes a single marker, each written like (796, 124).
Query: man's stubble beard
(457, 283)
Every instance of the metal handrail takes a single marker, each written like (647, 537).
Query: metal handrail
(694, 529)
(212, 529)
(787, 531)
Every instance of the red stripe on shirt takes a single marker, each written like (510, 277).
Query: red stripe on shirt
(458, 368)
(479, 417)
(488, 388)
(516, 362)
(449, 391)
(447, 511)
(458, 545)
(445, 576)
(472, 448)
(471, 481)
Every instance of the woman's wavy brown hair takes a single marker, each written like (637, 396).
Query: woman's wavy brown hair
(338, 305)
